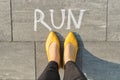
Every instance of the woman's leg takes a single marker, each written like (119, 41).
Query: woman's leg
(72, 72)
(53, 55)
(50, 72)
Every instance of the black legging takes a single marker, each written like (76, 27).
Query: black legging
(71, 72)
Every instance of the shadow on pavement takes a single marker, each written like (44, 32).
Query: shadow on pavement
(94, 67)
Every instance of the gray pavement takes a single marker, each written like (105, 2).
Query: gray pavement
(17, 61)
(22, 50)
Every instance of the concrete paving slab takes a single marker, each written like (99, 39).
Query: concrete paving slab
(101, 60)
(23, 5)
(93, 27)
(41, 58)
(17, 61)
(113, 21)
(5, 20)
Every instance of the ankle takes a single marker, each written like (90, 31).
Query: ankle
(69, 53)
(54, 53)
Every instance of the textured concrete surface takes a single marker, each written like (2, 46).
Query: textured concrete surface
(113, 20)
(5, 20)
(94, 19)
(22, 51)
(101, 60)
(17, 61)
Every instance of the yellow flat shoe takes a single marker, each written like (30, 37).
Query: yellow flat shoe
(71, 39)
(52, 37)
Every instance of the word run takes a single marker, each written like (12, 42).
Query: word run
(70, 18)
